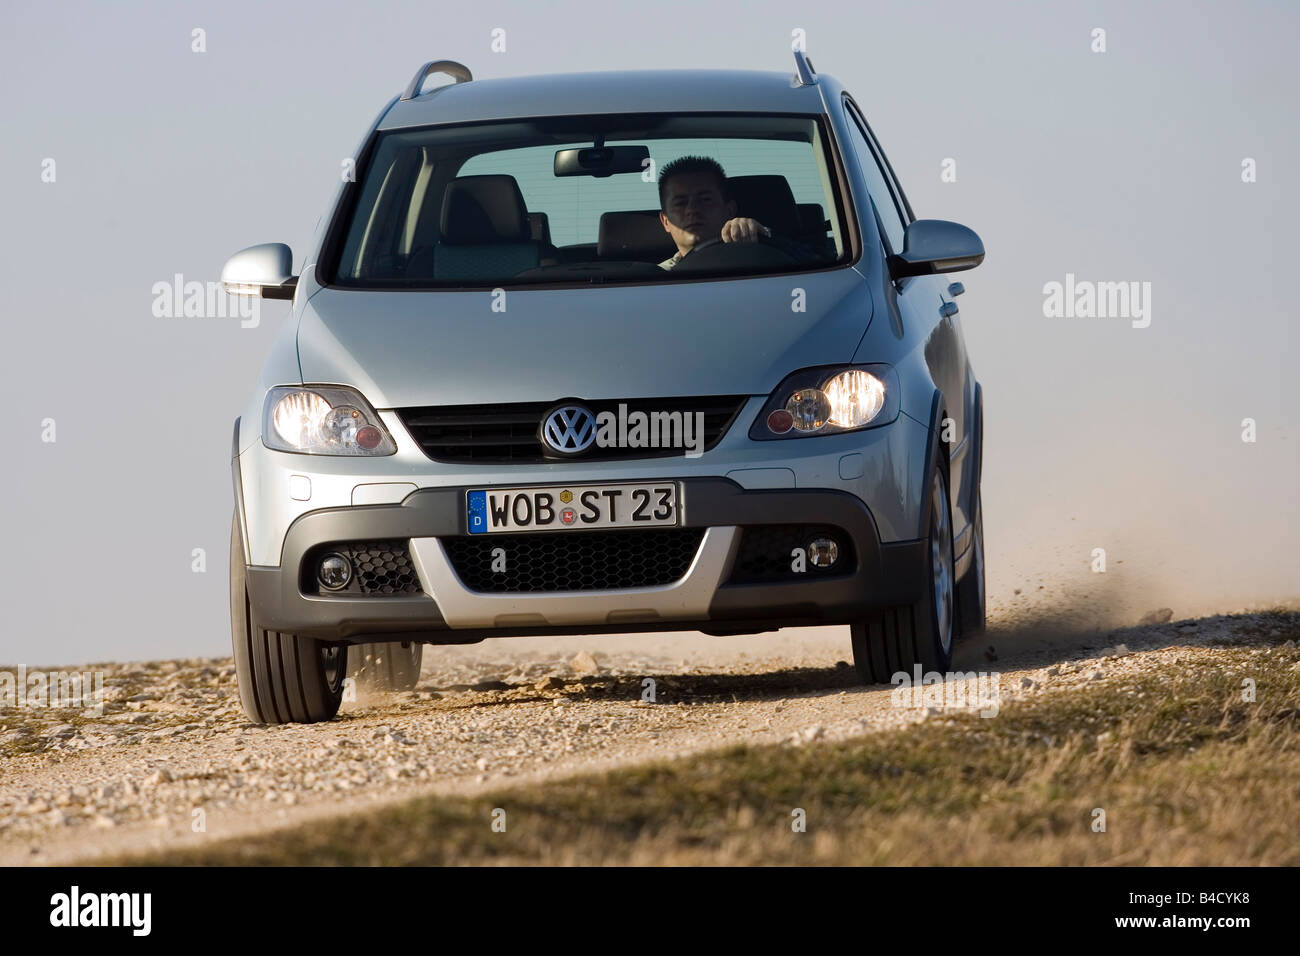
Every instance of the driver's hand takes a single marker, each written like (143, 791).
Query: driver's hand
(744, 230)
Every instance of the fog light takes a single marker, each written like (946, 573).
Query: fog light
(823, 552)
(335, 572)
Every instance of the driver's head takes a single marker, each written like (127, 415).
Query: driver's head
(693, 203)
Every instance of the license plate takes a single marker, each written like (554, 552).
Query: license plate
(573, 508)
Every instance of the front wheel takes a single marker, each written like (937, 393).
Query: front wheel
(899, 639)
(970, 591)
(282, 678)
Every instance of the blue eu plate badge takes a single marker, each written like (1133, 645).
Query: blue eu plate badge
(477, 514)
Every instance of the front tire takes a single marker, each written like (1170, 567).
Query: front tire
(971, 605)
(899, 639)
(282, 678)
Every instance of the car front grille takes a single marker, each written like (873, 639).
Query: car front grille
(509, 433)
(379, 568)
(573, 560)
(765, 554)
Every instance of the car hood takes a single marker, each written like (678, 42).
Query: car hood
(730, 337)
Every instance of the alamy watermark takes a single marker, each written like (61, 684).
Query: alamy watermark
(179, 299)
(639, 429)
(53, 689)
(1085, 299)
(131, 911)
(573, 429)
(956, 690)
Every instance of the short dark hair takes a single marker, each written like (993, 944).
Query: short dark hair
(691, 164)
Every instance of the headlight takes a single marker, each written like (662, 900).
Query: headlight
(856, 397)
(829, 400)
(323, 420)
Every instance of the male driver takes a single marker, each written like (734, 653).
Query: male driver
(693, 207)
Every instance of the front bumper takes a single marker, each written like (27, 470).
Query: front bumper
(884, 574)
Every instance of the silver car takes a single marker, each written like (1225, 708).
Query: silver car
(530, 386)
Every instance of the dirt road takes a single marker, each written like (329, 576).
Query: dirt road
(173, 762)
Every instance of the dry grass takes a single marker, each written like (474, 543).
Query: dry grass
(1188, 773)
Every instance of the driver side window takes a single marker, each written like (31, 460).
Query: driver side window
(892, 222)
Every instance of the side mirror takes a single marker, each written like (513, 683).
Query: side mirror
(265, 270)
(935, 245)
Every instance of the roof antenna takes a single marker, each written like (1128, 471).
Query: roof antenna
(804, 74)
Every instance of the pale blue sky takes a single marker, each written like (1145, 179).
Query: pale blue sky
(1116, 166)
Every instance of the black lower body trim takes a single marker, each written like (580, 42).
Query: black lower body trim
(883, 575)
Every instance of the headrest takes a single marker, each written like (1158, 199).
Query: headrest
(539, 225)
(768, 199)
(633, 234)
(812, 218)
(484, 209)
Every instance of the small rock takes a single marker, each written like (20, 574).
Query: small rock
(1053, 671)
(584, 663)
(161, 775)
(1121, 650)
(548, 683)
(1096, 675)
(1158, 616)
(990, 653)
(1026, 683)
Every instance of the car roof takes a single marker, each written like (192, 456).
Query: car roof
(631, 91)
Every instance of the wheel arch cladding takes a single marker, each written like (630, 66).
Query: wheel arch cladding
(933, 458)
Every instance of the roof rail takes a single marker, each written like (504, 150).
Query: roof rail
(457, 71)
(804, 74)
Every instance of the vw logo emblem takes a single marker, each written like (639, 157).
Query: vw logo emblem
(568, 430)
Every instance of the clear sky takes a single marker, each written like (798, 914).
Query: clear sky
(1115, 166)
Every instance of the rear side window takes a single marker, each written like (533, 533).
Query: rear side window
(892, 219)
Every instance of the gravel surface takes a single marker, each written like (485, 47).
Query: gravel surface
(172, 760)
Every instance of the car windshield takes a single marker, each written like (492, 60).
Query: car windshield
(577, 199)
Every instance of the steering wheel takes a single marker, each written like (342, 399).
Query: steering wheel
(716, 254)
(699, 246)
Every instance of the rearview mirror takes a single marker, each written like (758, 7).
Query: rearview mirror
(265, 270)
(601, 160)
(935, 245)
